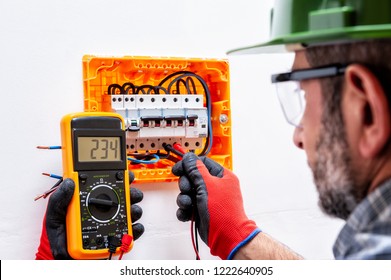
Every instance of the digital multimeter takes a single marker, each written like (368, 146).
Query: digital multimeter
(94, 156)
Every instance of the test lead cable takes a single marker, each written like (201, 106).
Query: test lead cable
(179, 151)
(126, 241)
(194, 237)
(171, 149)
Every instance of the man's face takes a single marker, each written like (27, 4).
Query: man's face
(322, 137)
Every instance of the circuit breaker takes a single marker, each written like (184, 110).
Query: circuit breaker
(154, 120)
(163, 101)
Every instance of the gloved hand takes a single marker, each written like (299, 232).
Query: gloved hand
(53, 243)
(215, 193)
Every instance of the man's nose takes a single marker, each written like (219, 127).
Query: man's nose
(297, 137)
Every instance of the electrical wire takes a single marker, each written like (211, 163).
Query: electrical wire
(158, 88)
(173, 75)
(170, 148)
(52, 189)
(141, 161)
(126, 241)
(163, 156)
(178, 86)
(143, 87)
(181, 75)
(113, 243)
(179, 151)
(111, 90)
(188, 81)
(127, 86)
(52, 175)
(194, 240)
(49, 147)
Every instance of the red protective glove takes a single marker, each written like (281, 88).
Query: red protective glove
(223, 224)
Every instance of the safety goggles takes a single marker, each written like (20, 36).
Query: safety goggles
(290, 94)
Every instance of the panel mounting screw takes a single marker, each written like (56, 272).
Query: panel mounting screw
(223, 118)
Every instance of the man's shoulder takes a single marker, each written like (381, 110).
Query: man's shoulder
(367, 232)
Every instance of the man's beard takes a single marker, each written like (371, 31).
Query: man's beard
(332, 173)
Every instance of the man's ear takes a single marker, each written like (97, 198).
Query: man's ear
(370, 109)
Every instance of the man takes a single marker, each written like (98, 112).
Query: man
(338, 97)
(342, 68)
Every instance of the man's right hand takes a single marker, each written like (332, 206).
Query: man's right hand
(213, 193)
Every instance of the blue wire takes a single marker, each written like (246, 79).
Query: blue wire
(145, 161)
(54, 147)
(55, 176)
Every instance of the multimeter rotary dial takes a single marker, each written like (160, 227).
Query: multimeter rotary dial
(103, 203)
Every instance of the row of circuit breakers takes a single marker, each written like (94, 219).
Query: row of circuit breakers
(154, 120)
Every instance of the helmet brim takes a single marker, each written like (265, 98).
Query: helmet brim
(302, 40)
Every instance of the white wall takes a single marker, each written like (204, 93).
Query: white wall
(42, 44)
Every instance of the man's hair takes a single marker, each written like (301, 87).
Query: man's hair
(373, 54)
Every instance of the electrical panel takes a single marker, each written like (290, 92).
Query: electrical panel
(163, 101)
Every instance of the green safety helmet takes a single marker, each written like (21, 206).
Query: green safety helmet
(298, 24)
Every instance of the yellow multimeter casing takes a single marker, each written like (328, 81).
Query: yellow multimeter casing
(94, 157)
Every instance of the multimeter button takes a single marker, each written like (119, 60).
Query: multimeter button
(83, 176)
(119, 175)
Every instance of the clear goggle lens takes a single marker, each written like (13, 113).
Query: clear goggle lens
(292, 101)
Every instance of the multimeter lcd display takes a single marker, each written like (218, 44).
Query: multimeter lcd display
(96, 149)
